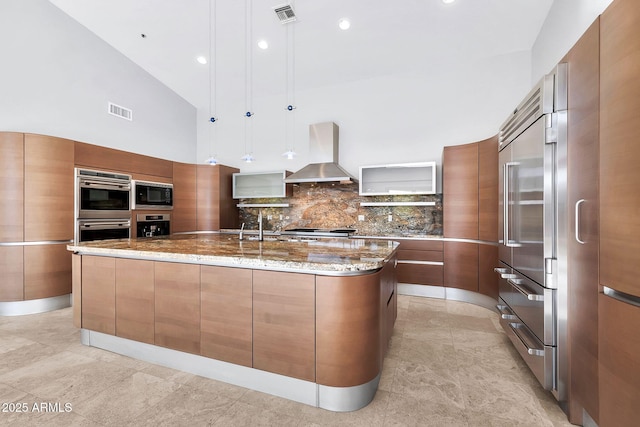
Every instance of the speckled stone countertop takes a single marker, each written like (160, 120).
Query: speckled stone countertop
(337, 256)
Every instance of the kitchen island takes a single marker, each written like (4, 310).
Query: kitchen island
(308, 320)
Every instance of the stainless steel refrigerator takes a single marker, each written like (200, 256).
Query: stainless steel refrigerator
(532, 249)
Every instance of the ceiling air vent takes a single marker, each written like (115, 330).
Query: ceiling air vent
(285, 13)
(122, 112)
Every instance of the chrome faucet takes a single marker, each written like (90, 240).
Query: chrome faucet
(260, 231)
(240, 236)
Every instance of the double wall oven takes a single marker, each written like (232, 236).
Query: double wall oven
(102, 205)
(532, 249)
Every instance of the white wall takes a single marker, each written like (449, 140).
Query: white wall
(407, 116)
(566, 22)
(56, 78)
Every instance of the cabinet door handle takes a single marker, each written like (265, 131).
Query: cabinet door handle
(577, 222)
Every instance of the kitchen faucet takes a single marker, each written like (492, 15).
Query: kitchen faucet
(260, 231)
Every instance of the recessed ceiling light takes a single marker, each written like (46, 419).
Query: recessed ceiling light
(448, 1)
(344, 24)
(263, 44)
(201, 59)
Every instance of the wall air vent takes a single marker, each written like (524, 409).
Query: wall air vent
(122, 112)
(285, 13)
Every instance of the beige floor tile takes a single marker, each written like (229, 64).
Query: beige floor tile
(449, 363)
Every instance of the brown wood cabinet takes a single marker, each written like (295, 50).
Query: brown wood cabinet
(227, 312)
(37, 194)
(12, 188)
(12, 267)
(177, 306)
(97, 157)
(284, 323)
(183, 216)
(135, 300)
(460, 191)
(47, 271)
(99, 294)
(470, 211)
(619, 322)
(215, 208)
(349, 331)
(420, 262)
(583, 62)
(48, 186)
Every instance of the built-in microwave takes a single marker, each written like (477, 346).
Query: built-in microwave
(102, 194)
(152, 195)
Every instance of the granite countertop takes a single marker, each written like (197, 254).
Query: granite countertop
(330, 256)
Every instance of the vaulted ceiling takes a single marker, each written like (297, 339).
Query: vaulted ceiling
(385, 37)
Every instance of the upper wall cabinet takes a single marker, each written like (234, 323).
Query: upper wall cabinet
(260, 185)
(398, 179)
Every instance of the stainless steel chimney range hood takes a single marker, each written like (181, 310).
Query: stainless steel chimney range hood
(323, 151)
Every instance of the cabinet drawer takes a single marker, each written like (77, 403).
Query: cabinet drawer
(420, 274)
(421, 245)
(412, 255)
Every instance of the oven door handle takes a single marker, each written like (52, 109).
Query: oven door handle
(517, 284)
(101, 185)
(104, 225)
(531, 349)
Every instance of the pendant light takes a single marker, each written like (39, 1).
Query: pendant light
(213, 63)
(290, 93)
(248, 124)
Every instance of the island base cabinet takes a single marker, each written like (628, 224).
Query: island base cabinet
(284, 318)
(226, 315)
(177, 306)
(619, 365)
(348, 330)
(99, 294)
(135, 300)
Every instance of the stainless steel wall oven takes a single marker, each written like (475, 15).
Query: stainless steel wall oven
(102, 194)
(102, 205)
(532, 249)
(152, 195)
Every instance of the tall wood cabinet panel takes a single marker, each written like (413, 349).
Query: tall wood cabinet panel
(11, 265)
(177, 306)
(583, 62)
(12, 188)
(183, 216)
(284, 323)
(227, 314)
(618, 322)
(460, 191)
(99, 294)
(470, 211)
(49, 184)
(215, 208)
(488, 190)
(619, 149)
(47, 271)
(135, 300)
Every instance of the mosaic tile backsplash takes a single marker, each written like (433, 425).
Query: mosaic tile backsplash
(332, 205)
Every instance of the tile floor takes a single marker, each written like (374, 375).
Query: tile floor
(449, 365)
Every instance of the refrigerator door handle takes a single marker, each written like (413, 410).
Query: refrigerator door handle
(506, 203)
(577, 221)
(517, 284)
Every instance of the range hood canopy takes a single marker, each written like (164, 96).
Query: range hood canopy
(323, 151)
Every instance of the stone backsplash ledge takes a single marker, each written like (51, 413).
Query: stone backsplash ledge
(332, 205)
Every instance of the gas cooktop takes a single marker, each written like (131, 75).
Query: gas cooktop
(328, 232)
